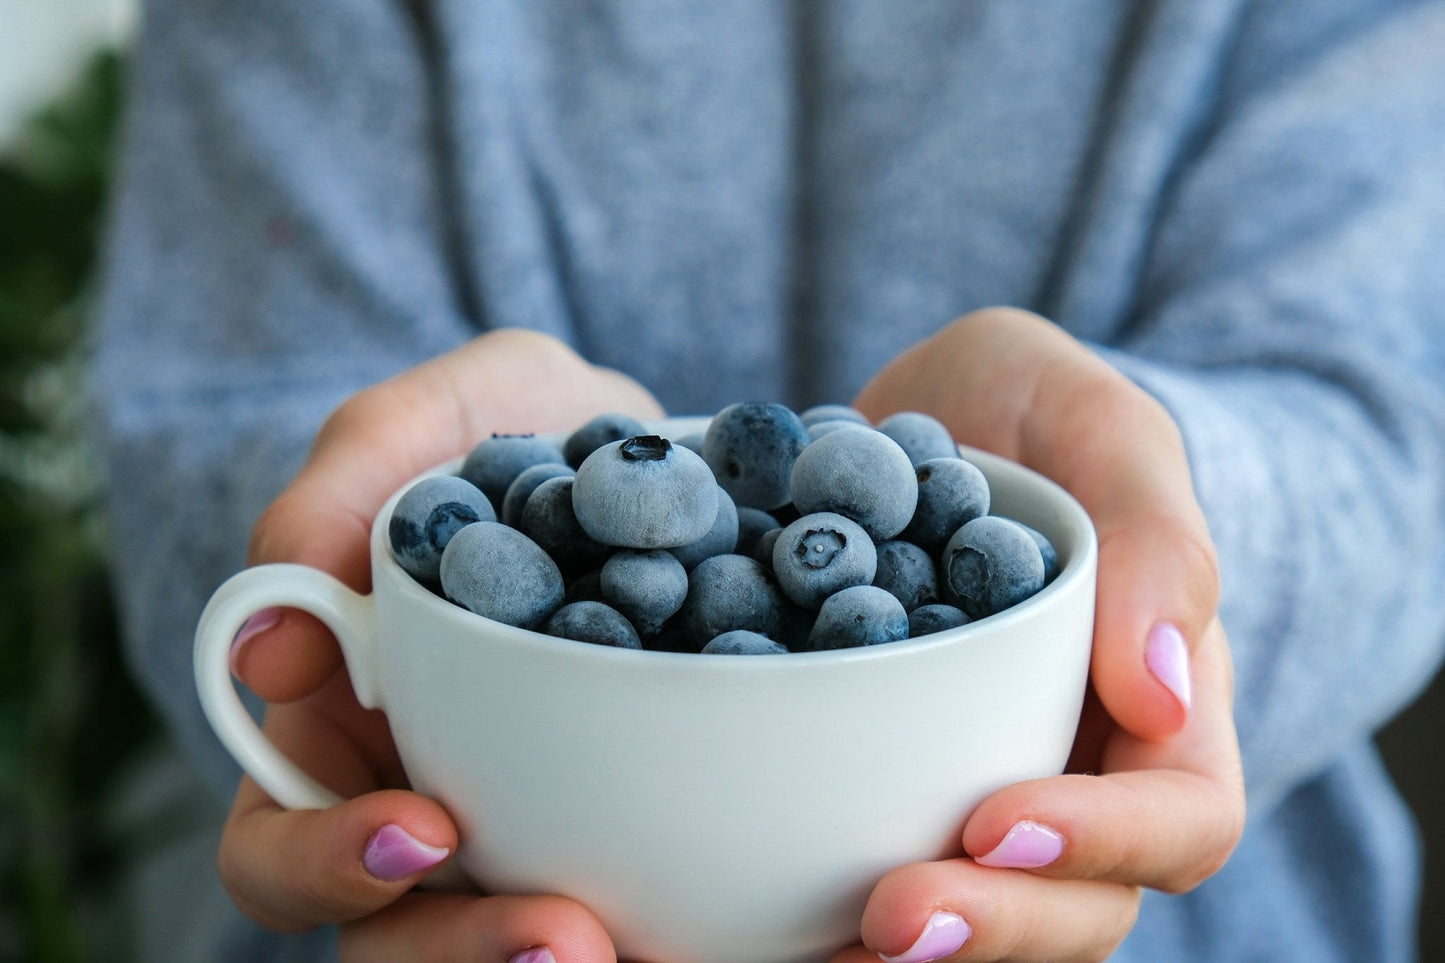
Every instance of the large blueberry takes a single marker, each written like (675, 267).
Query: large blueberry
(820, 554)
(861, 474)
(522, 487)
(990, 564)
(646, 586)
(592, 622)
(743, 642)
(907, 572)
(495, 462)
(729, 592)
(602, 430)
(550, 519)
(923, 436)
(751, 448)
(951, 493)
(645, 492)
(425, 518)
(498, 572)
(861, 615)
(927, 619)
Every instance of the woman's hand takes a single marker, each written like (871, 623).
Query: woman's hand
(356, 863)
(1154, 795)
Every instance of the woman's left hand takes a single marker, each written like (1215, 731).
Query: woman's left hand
(1154, 794)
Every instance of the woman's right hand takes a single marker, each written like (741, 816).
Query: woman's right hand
(357, 863)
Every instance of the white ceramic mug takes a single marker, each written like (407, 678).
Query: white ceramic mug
(709, 809)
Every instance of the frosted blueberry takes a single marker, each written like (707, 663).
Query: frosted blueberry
(820, 554)
(1046, 549)
(752, 524)
(600, 431)
(751, 448)
(495, 462)
(425, 518)
(522, 487)
(646, 586)
(908, 573)
(645, 492)
(743, 642)
(820, 428)
(922, 436)
(549, 519)
(927, 619)
(863, 475)
(592, 622)
(861, 615)
(729, 592)
(951, 493)
(821, 413)
(721, 539)
(990, 564)
(763, 552)
(497, 572)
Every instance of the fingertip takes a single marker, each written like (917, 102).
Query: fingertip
(284, 654)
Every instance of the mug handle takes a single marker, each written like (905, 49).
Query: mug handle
(346, 613)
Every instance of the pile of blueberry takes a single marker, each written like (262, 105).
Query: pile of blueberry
(769, 532)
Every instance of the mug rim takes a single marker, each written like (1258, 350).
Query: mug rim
(1079, 565)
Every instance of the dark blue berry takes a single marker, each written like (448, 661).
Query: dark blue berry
(729, 592)
(743, 642)
(951, 493)
(927, 619)
(908, 573)
(646, 586)
(497, 572)
(991, 564)
(600, 431)
(861, 474)
(922, 436)
(496, 462)
(645, 492)
(861, 615)
(425, 518)
(550, 519)
(751, 448)
(721, 539)
(818, 414)
(820, 554)
(592, 622)
(524, 484)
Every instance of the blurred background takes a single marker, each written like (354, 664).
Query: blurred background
(73, 730)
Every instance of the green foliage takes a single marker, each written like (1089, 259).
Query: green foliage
(69, 717)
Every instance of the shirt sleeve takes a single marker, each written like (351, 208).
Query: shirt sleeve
(276, 242)
(1292, 318)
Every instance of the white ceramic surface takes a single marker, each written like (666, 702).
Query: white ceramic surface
(709, 809)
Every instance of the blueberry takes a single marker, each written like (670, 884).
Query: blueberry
(729, 592)
(592, 622)
(927, 619)
(646, 586)
(821, 413)
(861, 615)
(763, 551)
(498, 572)
(922, 436)
(743, 642)
(598, 432)
(820, 428)
(751, 448)
(645, 492)
(753, 523)
(524, 484)
(991, 563)
(860, 474)
(721, 539)
(820, 554)
(550, 519)
(692, 441)
(586, 587)
(951, 493)
(1046, 549)
(427, 515)
(496, 461)
(908, 573)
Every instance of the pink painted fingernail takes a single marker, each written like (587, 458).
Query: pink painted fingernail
(251, 628)
(392, 853)
(534, 954)
(943, 935)
(1167, 656)
(1028, 845)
